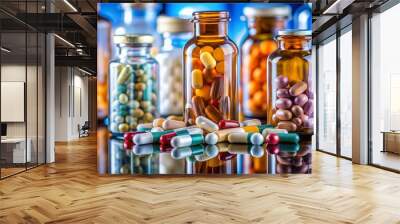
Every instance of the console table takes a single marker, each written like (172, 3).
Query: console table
(15, 148)
(391, 141)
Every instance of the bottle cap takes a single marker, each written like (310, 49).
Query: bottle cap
(173, 25)
(272, 12)
(133, 39)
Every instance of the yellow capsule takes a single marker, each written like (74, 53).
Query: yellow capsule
(208, 61)
(197, 79)
(123, 75)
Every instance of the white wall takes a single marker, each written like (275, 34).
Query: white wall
(71, 102)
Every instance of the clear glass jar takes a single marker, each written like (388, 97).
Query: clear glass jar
(175, 33)
(133, 84)
(289, 76)
(210, 60)
(263, 25)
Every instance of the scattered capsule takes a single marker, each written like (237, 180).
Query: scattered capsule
(145, 127)
(223, 134)
(288, 137)
(187, 140)
(180, 153)
(206, 124)
(258, 128)
(211, 138)
(266, 131)
(146, 149)
(158, 122)
(149, 137)
(156, 129)
(253, 138)
(166, 139)
(252, 122)
(173, 124)
(224, 124)
(129, 135)
(272, 139)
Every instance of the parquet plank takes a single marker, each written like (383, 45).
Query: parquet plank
(70, 191)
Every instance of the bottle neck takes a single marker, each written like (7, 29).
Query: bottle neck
(134, 51)
(211, 30)
(295, 43)
(260, 25)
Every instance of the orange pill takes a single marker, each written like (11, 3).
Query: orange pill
(258, 75)
(252, 106)
(267, 47)
(263, 64)
(196, 64)
(218, 54)
(204, 92)
(260, 97)
(196, 52)
(253, 87)
(254, 52)
(220, 67)
(264, 87)
(264, 107)
(208, 49)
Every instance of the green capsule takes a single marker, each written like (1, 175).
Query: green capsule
(288, 137)
(121, 88)
(122, 113)
(264, 126)
(123, 107)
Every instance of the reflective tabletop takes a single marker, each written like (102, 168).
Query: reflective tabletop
(220, 159)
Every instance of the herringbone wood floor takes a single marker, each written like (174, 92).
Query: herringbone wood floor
(70, 191)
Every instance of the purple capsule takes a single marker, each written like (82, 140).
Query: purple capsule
(301, 99)
(282, 93)
(308, 108)
(297, 110)
(310, 94)
(281, 81)
(297, 121)
(309, 123)
(283, 103)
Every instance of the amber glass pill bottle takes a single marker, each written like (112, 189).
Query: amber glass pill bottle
(263, 25)
(210, 78)
(289, 75)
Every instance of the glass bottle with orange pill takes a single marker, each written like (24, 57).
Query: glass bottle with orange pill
(289, 75)
(210, 60)
(263, 24)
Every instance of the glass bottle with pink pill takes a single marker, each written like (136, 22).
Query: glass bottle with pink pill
(289, 94)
